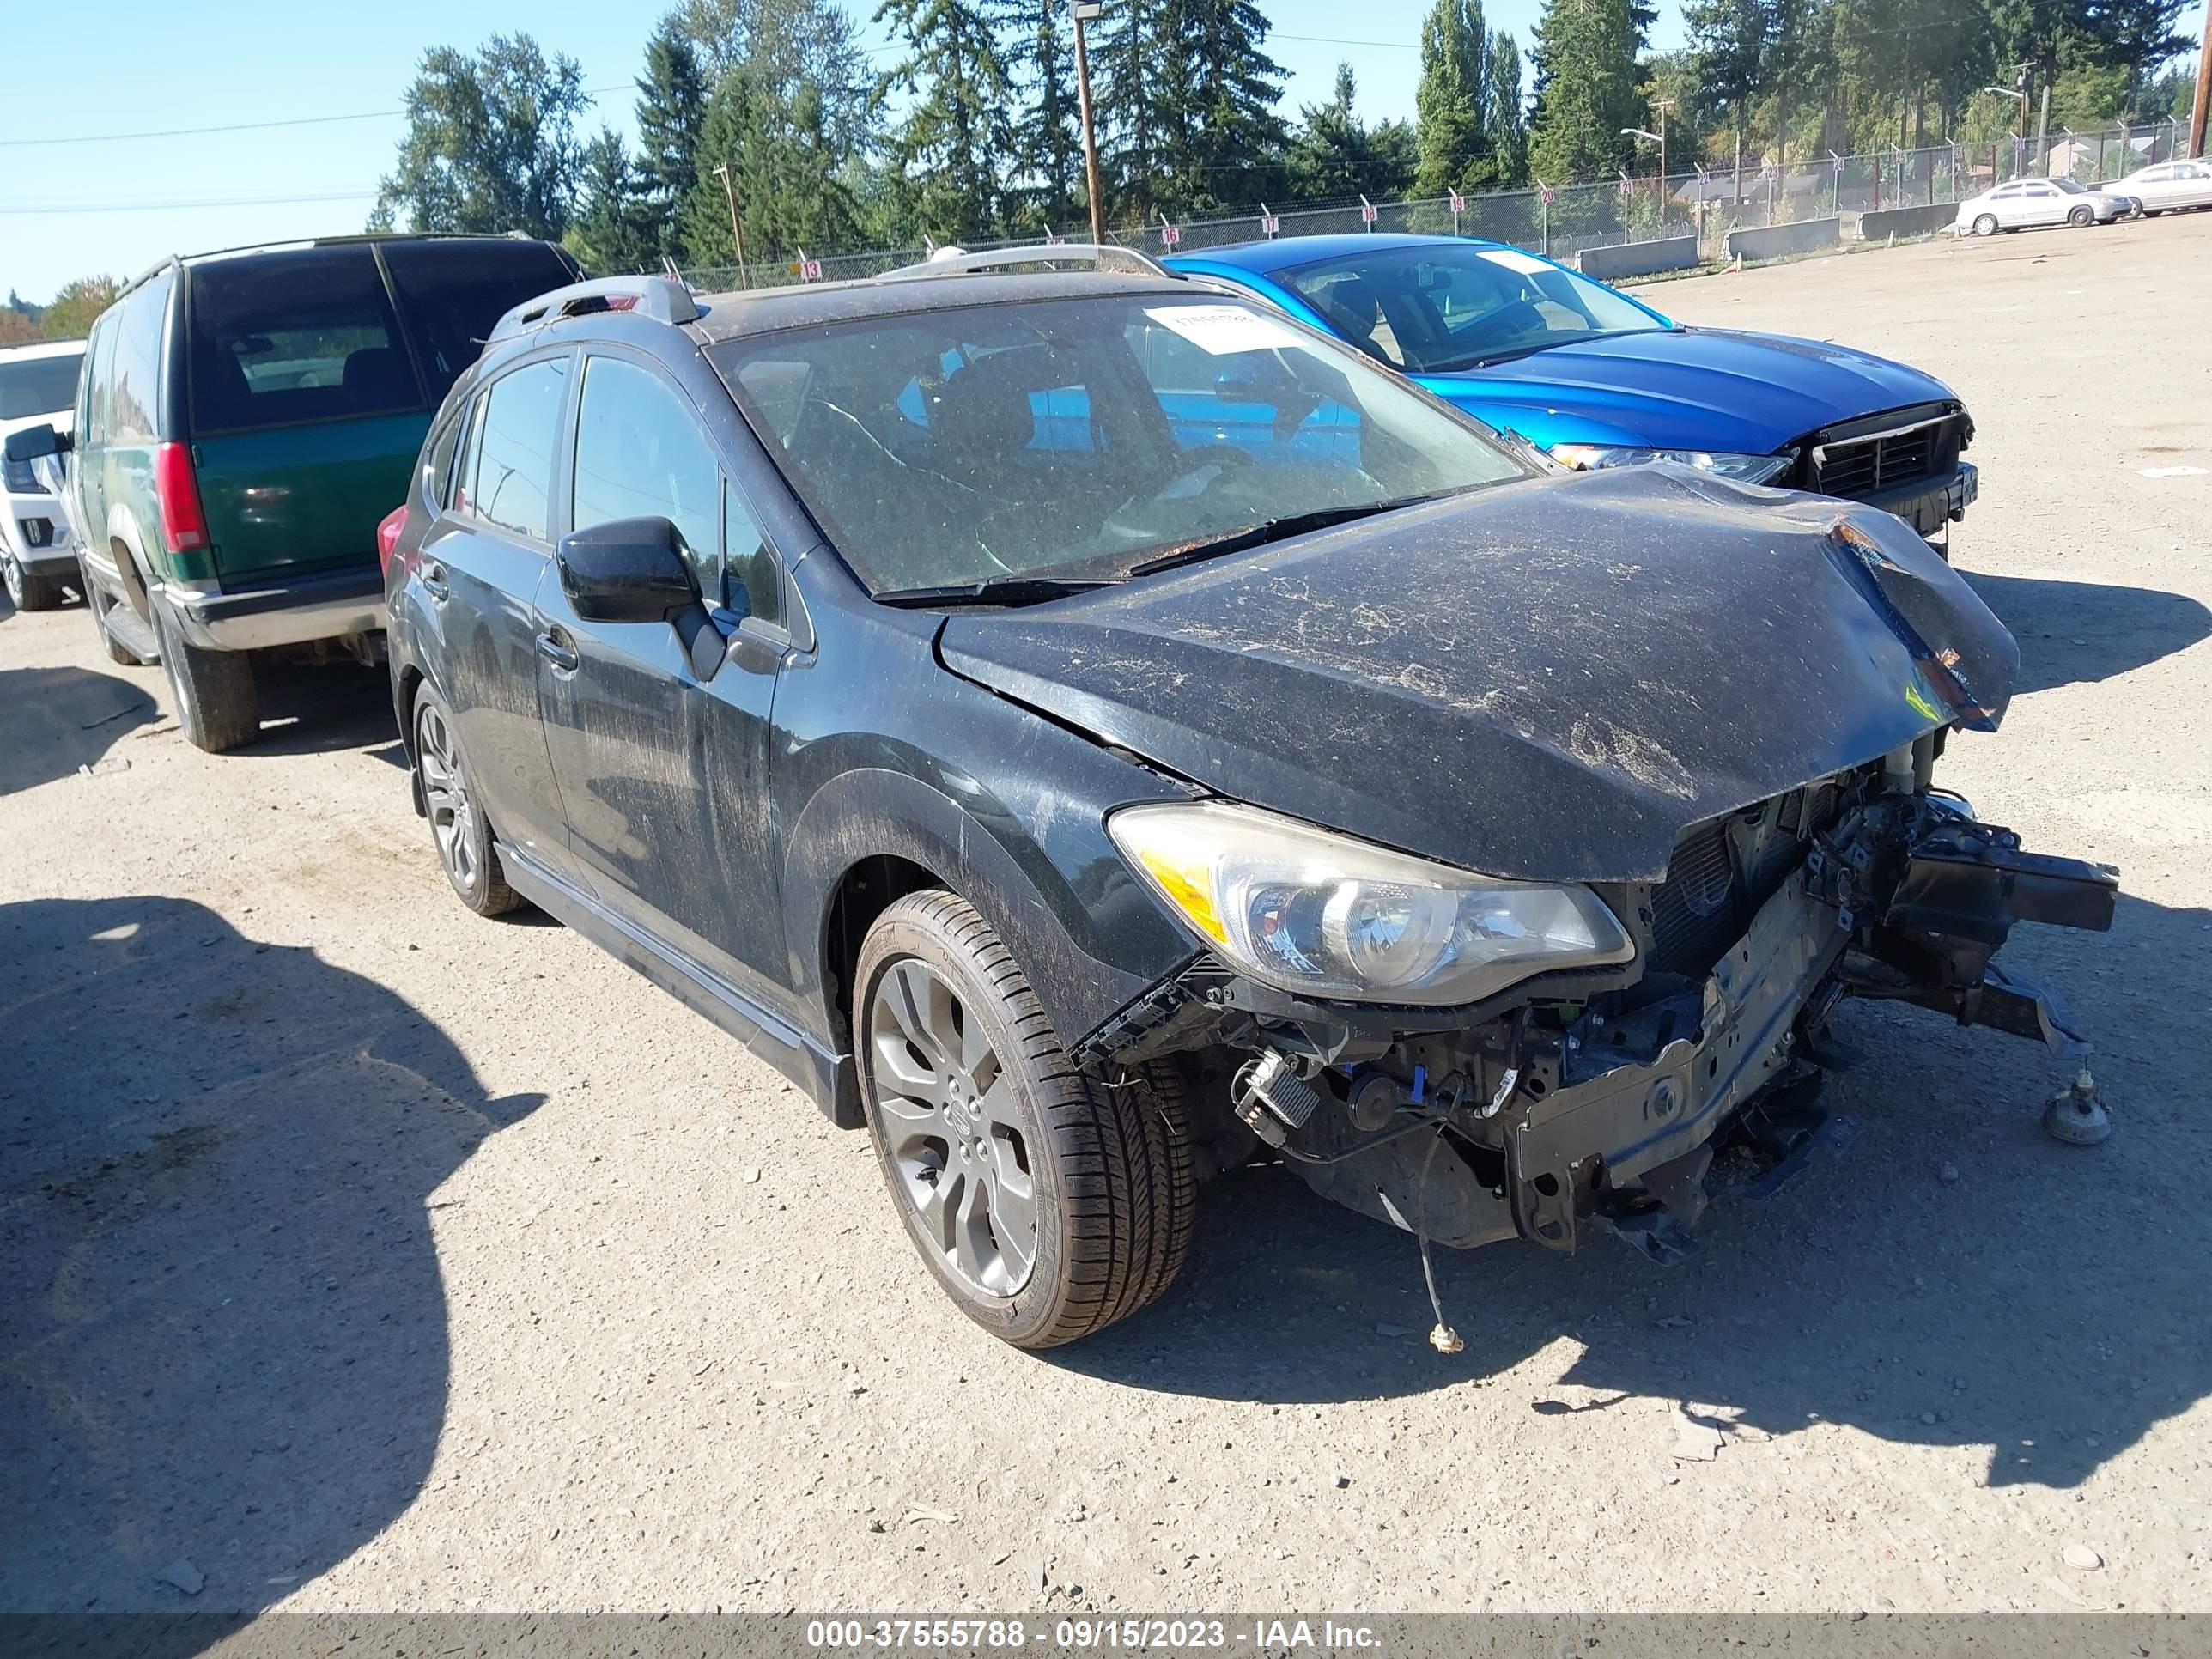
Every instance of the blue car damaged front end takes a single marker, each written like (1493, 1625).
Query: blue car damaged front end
(1620, 383)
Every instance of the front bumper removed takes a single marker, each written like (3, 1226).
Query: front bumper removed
(1608, 1110)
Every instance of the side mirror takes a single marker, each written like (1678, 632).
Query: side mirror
(33, 442)
(626, 570)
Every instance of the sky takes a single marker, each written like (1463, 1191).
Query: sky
(74, 200)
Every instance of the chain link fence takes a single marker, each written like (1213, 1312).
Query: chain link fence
(1707, 202)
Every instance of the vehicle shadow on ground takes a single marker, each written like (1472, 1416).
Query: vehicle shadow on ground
(2046, 1304)
(313, 708)
(60, 718)
(2074, 633)
(222, 1330)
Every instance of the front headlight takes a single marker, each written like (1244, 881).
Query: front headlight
(1745, 468)
(20, 479)
(1322, 914)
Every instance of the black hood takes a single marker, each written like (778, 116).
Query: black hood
(1548, 680)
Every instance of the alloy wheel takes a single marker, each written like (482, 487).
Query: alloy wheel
(15, 578)
(446, 794)
(957, 1134)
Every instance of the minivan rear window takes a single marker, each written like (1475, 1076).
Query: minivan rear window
(282, 338)
(452, 293)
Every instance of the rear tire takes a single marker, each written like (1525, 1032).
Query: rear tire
(218, 707)
(1986, 225)
(30, 592)
(458, 828)
(1047, 1202)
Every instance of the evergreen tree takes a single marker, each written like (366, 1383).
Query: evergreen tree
(1509, 127)
(1453, 136)
(956, 141)
(1587, 90)
(671, 109)
(783, 174)
(1050, 159)
(1734, 42)
(613, 230)
(786, 42)
(1332, 155)
(1224, 152)
(1127, 50)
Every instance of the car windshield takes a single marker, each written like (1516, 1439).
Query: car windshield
(1082, 439)
(2069, 186)
(1451, 306)
(38, 385)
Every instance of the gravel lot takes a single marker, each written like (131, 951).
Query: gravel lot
(372, 1257)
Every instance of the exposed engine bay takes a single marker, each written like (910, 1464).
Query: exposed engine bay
(1599, 1097)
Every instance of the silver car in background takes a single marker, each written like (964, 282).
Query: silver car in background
(2026, 203)
(2169, 185)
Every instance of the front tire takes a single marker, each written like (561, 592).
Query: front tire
(1047, 1203)
(28, 592)
(2081, 218)
(458, 826)
(1986, 225)
(217, 707)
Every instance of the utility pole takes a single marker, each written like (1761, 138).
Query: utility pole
(736, 235)
(2204, 104)
(1660, 106)
(1085, 11)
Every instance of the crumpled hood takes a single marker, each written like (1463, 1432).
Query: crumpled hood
(1548, 680)
(1692, 389)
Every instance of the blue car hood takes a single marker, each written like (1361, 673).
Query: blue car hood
(1692, 388)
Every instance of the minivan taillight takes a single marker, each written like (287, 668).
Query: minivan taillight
(387, 537)
(183, 526)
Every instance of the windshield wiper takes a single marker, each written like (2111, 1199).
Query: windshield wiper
(995, 590)
(1271, 530)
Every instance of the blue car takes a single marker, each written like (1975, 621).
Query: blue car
(1596, 379)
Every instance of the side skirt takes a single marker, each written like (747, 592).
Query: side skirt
(829, 1077)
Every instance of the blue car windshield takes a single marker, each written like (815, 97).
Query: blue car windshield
(1437, 309)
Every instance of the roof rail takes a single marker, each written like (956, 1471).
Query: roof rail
(948, 263)
(659, 298)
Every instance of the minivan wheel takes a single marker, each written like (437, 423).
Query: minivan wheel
(29, 592)
(217, 707)
(1986, 225)
(1048, 1203)
(458, 825)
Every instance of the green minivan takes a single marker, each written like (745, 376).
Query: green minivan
(245, 420)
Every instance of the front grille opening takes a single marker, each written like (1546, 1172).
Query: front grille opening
(1858, 468)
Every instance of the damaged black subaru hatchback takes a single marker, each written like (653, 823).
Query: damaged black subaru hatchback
(1096, 732)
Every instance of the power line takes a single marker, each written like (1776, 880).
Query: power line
(1333, 40)
(222, 202)
(241, 126)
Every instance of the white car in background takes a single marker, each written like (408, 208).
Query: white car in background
(38, 555)
(2168, 186)
(2028, 201)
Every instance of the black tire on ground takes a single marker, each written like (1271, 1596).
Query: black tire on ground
(217, 706)
(1109, 1162)
(1986, 225)
(458, 829)
(32, 593)
(2081, 217)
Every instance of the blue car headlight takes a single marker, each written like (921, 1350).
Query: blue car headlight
(1745, 468)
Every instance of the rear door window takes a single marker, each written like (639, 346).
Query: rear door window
(278, 339)
(508, 476)
(452, 291)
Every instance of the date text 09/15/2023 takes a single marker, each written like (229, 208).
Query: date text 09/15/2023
(1088, 1635)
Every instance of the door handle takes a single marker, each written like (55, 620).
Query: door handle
(554, 647)
(433, 581)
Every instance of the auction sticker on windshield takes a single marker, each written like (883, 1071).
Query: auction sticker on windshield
(1513, 259)
(1223, 330)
